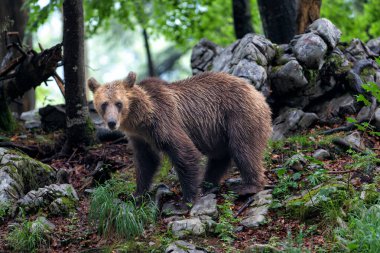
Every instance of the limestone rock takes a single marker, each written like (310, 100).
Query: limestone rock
(326, 30)
(43, 225)
(290, 120)
(183, 247)
(59, 199)
(251, 71)
(321, 154)
(374, 45)
(192, 226)
(19, 174)
(355, 140)
(262, 198)
(287, 78)
(255, 216)
(310, 50)
(206, 205)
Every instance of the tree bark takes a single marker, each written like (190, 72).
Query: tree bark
(282, 19)
(15, 19)
(308, 11)
(151, 69)
(279, 19)
(242, 18)
(79, 130)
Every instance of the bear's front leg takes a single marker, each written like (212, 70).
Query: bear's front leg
(185, 158)
(147, 161)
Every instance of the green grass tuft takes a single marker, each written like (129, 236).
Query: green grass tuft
(28, 238)
(114, 216)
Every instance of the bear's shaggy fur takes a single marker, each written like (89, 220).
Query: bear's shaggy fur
(215, 114)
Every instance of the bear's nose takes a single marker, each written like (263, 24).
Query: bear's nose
(111, 124)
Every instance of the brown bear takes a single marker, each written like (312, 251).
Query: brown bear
(215, 114)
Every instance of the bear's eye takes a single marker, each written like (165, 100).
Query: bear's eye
(104, 106)
(119, 105)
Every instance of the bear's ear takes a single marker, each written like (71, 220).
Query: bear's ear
(92, 84)
(130, 80)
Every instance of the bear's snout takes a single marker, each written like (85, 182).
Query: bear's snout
(111, 124)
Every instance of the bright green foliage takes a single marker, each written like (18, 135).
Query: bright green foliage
(184, 22)
(28, 237)
(362, 232)
(355, 18)
(225, 228)
(114, 216)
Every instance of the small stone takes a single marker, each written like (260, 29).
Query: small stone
(321, 154)
(251, 71)
(172, 208)
(262, 198)
(297, 162)
(206, 205)
(193, 226)
(42, 224)
(255, 216)
(264, 248)
(355, 140)
(162, 191)
(183, 247)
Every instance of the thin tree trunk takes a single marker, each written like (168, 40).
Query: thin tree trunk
(79, 128)
(279, 19)
(242, 18)
(151, 70)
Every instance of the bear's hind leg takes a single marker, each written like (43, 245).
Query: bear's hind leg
(216, 168)
(248, 159)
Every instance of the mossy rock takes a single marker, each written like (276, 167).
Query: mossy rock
(369, 194)
(20, 174)
(311, 202)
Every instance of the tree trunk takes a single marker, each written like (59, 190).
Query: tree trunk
(15, 19)
(151, 70)
(308, 11)
(79, 130)
(282, 19)
(279, 19)
(242, 18)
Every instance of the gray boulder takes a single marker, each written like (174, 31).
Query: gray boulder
(183, 247)
(254, 73)
(374, 45)
(255, 216)
(206, 205)
(58, 199)
(192, 226)
(287, 78)
(326, 30)
(355, 140)
(310, 50)
(291, 120)
(19, 174)
(31, 118)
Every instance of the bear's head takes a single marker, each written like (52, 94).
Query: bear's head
(112, 100)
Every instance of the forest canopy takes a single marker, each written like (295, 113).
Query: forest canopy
(185, 22)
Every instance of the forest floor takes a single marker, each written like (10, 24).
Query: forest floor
(289, 232)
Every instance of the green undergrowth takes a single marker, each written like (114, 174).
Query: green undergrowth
(225, 226)
(117, 213)
(28, 237)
